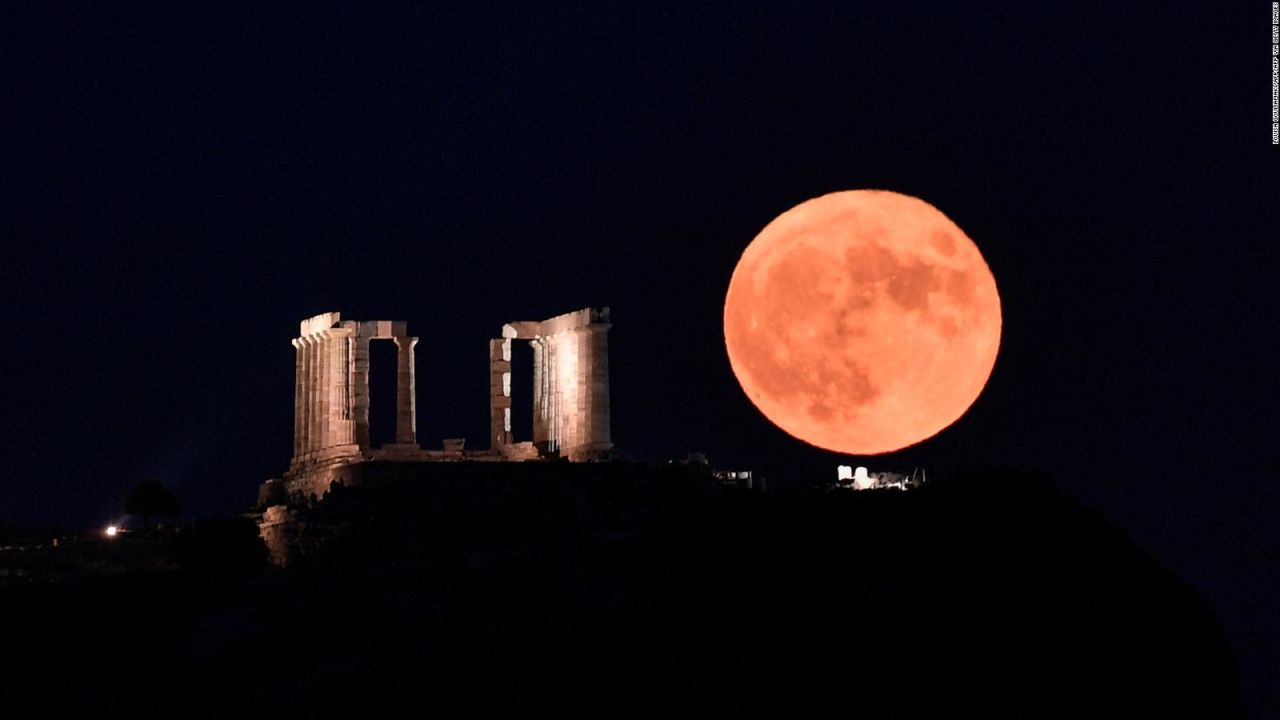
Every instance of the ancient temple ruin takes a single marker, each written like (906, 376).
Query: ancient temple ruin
(331, 436)
(570, 386)
(331, 390)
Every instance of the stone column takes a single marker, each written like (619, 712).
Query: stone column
(499, 393)
(313, 395)
(305, 346)
(571, 394)
(324, 387)
(299, 411)
(333, 414)
(360, 390)
(596, 384)
(345, 391)
(337, 424)
(551, 400)
(406, 410)
(539, 409)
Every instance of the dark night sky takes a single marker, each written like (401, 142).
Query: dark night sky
(185, 183)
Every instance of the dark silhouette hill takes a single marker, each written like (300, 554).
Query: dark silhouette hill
(624, 591)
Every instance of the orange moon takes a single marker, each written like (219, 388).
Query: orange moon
(862, 321)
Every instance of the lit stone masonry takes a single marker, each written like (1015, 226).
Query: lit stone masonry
(570, 387)
(331, 391)
(331, 400)
(331, 443)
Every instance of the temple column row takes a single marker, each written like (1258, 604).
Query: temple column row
(322, 393)
(354, 395)
(571, 388)
(570, 384)
(331, 387)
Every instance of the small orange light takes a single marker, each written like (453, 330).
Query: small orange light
(112, 530)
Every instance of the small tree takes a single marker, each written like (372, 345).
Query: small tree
(150, 498)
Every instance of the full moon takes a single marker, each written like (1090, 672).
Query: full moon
(862, 321)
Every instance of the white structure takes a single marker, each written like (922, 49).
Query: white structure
(859, 479)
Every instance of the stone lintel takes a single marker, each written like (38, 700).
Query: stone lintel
(382, 329)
